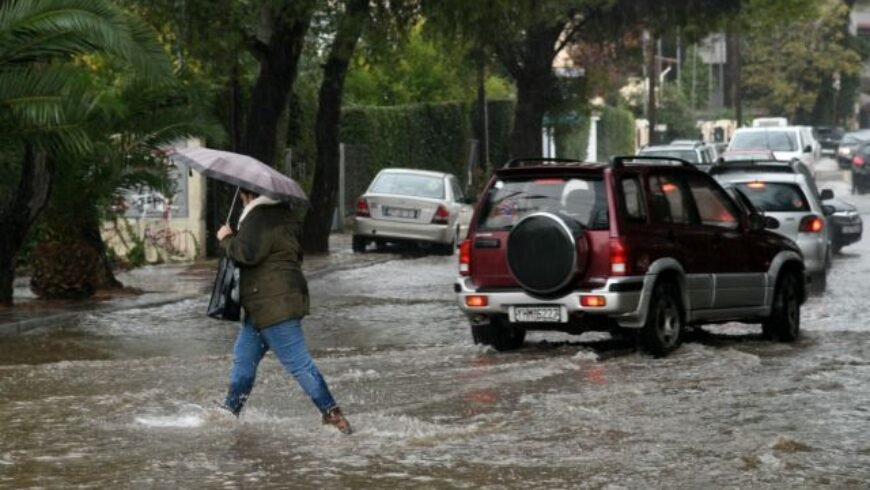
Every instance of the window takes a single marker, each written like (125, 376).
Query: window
(632, 200)
(687, 155)
(668, 200)
(508, 201)
(775, 140)
(415, 185)
(775, 196)
(458, 195)
(714, 207)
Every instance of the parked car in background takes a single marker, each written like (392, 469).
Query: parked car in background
(829, 138)
(696, 152)
(787, 143)
(848, 144)
(640, 245)
(845, 222)
(419, 206)
(860, 167)
(783, 191)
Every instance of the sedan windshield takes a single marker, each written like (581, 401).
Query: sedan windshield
(414, 185)
(770, 139)
(509, 201)
(775, 196)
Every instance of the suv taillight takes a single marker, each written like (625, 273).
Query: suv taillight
(362, 208)
(858, 161)
(441, 217)
(465, 258)
(618, 257)
(811, 224)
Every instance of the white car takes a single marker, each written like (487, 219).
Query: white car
(786, 195)
(787, 143)
(404, 205)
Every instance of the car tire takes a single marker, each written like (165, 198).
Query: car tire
(819, 282)
(500, 335)
(358, 244)
(785, 316)
(449, 248)
(663, 330)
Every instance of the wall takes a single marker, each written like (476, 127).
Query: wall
(169, 230)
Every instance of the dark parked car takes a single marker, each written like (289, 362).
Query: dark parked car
(848, 143)
(845, 222)
(860, 166)
(630, 247)
(829, 138)
(698, 153)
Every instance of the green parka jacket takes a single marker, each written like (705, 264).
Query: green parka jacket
(268, 252)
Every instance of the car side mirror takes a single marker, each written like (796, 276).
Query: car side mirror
(827, 194)
(828, 210)
(808, 149)
(771, 223)
(756, 222)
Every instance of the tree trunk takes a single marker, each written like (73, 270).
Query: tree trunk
(279, 60)
(526, 137)
(733, 50)
(530, 63)
(483, 119)
(27, 201)
(653, 72)
(103, 278)
(318, 222)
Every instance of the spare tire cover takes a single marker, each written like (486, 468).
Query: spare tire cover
(545, 252)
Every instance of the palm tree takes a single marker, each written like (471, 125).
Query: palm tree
(43, 97)
(128, 128)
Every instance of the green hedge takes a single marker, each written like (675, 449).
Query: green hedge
(615, 133)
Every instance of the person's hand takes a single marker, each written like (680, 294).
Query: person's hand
(224, 232)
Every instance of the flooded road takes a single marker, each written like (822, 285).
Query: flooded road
(122, 399)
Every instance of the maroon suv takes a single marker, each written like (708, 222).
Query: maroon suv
(635, 246)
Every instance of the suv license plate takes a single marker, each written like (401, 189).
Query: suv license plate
(852, 229)
(537, 314)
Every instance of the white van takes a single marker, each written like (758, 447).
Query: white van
(787, 143)
(769, 122)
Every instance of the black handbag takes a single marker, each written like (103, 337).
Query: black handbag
(224, 301)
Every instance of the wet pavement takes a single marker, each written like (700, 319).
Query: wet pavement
(122, 399)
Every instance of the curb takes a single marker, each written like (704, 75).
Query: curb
(19, 327)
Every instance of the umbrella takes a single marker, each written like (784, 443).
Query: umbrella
(242, 171)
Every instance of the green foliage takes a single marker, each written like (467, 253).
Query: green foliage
(615, 133)
(422, 69)
(429, 136)
(786, 64)
(700, 86)
(572, 139)
(676, 113)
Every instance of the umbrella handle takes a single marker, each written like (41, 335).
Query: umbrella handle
(232, 206)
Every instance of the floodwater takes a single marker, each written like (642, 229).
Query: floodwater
(123, 399)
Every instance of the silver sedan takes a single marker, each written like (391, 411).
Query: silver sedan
(405, 205)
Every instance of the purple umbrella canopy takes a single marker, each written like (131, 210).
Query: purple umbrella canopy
(243, 171)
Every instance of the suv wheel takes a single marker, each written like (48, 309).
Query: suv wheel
(358, 244)
(499, 334)
(663, 330)
(785, 317)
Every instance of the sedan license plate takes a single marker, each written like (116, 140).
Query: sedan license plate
(852, 229)
(536, 314)
(400, 213)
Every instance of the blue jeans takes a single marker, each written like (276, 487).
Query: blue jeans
(286, 341)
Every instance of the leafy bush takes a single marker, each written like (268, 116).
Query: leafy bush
(615, 133)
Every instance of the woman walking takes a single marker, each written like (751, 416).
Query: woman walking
(274, 295)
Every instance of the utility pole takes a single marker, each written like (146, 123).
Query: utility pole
(653, 76)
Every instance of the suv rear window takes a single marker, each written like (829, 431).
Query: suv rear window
(775, 196)
(509, 201)
(409, 185)
(771, 139)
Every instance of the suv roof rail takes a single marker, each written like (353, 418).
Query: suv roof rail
(620, 160)
(535, 161)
